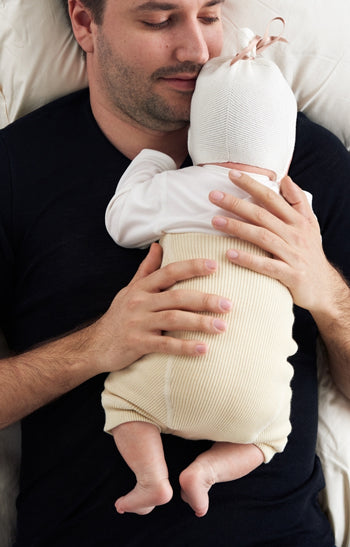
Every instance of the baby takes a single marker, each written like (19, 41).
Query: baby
(243, 114)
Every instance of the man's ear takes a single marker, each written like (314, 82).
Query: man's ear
(81, 24)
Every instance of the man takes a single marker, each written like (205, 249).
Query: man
(59, 271)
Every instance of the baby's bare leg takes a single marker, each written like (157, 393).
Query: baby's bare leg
(141, 446)
(223, 462)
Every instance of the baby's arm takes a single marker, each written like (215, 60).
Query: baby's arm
(131, 214)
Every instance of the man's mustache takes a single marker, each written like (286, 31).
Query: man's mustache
(183, 68)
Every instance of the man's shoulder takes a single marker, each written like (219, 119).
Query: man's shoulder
(314, 139)
(49, 137)
(318, 156)
(321, 165)
(60, 112)
(55, 145)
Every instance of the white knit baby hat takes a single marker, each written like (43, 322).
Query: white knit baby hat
(243, 110)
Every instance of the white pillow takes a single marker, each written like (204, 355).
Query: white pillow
(316, 61)
(333, 448)
(39, 58)
(39, 61)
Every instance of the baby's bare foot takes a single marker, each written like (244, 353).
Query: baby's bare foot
(196, 481)
(221, 463)
(145, 497)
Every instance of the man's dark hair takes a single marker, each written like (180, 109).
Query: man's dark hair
(96, 8)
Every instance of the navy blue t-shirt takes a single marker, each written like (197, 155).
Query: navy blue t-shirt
(59, 269)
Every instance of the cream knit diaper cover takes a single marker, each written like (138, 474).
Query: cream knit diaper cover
(240, 390)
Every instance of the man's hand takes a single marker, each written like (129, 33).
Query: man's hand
(140, 312)
(286, 227)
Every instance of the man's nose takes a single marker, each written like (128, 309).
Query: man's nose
(192, 44)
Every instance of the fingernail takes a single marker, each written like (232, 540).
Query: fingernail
(217, 196)
(201, 348)
(225, 304)
(232, 253)
(219, 324)
(236, 174)
(219, 221)
(211, 264)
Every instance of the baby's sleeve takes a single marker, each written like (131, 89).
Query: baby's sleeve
(133, 212)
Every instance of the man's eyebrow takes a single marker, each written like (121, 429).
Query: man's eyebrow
(152, 5)
(213, 3)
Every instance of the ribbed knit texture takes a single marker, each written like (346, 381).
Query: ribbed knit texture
(243, 113)
(240, 390)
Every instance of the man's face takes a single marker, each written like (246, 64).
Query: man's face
(148, 54)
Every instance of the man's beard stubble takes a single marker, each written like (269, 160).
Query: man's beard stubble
(132, 94)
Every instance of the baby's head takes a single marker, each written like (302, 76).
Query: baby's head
(243, 111)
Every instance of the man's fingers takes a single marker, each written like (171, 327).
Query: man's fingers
(172, 273)
(176, 346)
(271, 267)
(254, 212)
(178, 320)
(296, 198)
(263, 195)
(150, 263)
(180, 299)
(286, 207)
(271, 220)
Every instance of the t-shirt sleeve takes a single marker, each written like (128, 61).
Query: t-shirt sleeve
(321, 165)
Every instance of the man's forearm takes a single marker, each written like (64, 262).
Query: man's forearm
(334, 328)
(33, 379)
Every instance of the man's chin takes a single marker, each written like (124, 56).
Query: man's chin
(169, 110)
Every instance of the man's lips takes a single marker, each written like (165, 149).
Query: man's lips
(181, 82)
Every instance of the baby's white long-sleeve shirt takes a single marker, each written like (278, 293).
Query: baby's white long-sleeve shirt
(153, 197)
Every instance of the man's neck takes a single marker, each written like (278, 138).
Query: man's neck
(130, 138)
